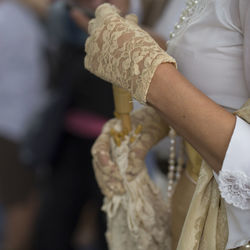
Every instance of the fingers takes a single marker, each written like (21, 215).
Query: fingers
(106, 9)
(109, 181)
(92, 26)
(101, 13)
(132, 18)
(102, 144)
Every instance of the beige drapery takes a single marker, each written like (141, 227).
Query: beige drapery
(206, 223)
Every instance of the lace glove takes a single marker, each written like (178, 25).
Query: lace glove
(107, 173)
(120, 52)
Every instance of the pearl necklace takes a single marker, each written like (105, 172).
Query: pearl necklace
(193, 10)
(192, 7)
(174, 170)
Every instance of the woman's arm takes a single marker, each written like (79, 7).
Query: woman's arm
(204, 124)
(120, 52)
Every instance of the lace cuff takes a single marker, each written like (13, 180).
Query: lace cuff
(235, 188)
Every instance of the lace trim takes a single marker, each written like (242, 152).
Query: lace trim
(235, 188)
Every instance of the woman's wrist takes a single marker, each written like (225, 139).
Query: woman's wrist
(163, 72)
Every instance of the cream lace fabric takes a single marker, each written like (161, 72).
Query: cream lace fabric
(235, 188)
(139, 219)
(120, 52)
(137, 215)
(107, 173)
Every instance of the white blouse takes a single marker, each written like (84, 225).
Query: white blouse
(211, 44)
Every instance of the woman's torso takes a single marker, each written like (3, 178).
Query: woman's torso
(208, 47)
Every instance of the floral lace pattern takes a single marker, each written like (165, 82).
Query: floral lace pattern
(145, 223)
(235, 188)
(120, 52)
(108, 176)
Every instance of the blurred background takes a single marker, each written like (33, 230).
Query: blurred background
(51, 111)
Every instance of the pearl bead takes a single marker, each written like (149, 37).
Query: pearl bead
(172, 141)
(170, 175)
(169, 195)
(172, 35)
(177, 26)
(183, 18)
(187, 13)
(171, 162)
(170, 182)
(172, 154)
(178, 175)
(184, 12)
(171, 167)
(179, 167)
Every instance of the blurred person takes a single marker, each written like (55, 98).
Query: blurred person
(70, 215)
(23, 79)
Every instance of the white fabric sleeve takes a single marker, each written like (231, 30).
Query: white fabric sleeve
(234, 177)
(234, 184)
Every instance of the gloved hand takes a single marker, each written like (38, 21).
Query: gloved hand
(107, 172)
(120, 52)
